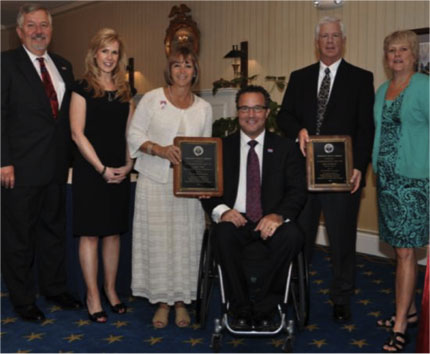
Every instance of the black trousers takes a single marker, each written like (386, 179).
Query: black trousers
(229, 242)
(340, 210)
(33, 226)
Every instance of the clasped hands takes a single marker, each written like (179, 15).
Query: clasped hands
(267, 224)
(116, 175)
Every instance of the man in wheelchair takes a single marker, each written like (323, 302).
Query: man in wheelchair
(264, 191)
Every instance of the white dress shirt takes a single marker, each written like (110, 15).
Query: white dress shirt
(240, 203)
(57, 80)
(333, 71)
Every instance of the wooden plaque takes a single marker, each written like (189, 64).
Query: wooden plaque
(200, 171)
(329, 163)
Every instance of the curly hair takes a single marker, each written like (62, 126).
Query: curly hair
(92, 72)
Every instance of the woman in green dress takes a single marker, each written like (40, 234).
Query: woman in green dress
(401, 163)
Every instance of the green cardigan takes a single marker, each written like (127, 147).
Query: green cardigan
(413, 154)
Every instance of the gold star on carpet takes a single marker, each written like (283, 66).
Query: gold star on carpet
(194, 341)
(365, 302)
(48, 321)
(312, 273)
(73, 337)
(318, 343)
(195, 326)
(2, 294)
(9, 320)
(112, 339)
(236, 342)
(81, 323)
(119, 324)
(349, 328)
(357, 291)
(55, 308)
(276, 342)
(154, 340)
(324, 291)
(130, 309)
(374, 313)
(368, 273)
(33, 336)
(359, 343)
(377, 281)
(23, 351)
(318, 281)
(330, 302)
(385, 291)
(312, 327)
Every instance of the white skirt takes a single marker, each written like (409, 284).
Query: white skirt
(167, 237)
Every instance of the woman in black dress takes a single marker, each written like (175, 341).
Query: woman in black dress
(100, 109)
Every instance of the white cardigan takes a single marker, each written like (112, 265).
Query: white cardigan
(157, 120)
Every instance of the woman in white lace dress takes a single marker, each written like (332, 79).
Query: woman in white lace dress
(167, 230)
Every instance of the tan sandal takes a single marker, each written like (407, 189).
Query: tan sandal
(161, 317)
(182, 319)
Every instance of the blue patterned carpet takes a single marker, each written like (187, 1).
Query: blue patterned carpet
(71, 331)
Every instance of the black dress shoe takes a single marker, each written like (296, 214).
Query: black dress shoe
(65, 301)
(30, 313)
(265, 325)
(240, 323)
(341, 313)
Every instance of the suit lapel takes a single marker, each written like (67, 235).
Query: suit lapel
(268, 153)
(340, 86)
(313, 92)
(235, 164)
(27, 68)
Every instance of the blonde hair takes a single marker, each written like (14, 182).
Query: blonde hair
(92, 72)
(407, 36)
(186, 53)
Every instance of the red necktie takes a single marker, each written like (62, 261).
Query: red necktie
(253, 188)
(49, 87)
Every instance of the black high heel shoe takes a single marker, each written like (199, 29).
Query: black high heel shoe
(96, 316)
(119, 308)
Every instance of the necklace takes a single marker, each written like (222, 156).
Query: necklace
(111, 95)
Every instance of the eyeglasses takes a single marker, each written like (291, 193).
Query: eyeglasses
(326, 36)
(256, 109)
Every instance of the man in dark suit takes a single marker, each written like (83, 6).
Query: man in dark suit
(34, 163)
(254, 211)
(332, 97)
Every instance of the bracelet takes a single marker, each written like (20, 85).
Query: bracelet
(149, 148)
(103, 171)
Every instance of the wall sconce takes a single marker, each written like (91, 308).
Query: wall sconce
(327, 4)
(130, 72)
(240, 62)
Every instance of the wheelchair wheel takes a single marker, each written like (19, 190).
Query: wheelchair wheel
(300, 291)
(205, 280)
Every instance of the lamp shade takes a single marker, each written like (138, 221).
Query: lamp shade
(234, 53)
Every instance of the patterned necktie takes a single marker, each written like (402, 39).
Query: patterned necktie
(49, 87)
(253, 188)
(322, 99)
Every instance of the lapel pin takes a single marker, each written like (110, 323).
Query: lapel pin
(270, 150)
(63, 68)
